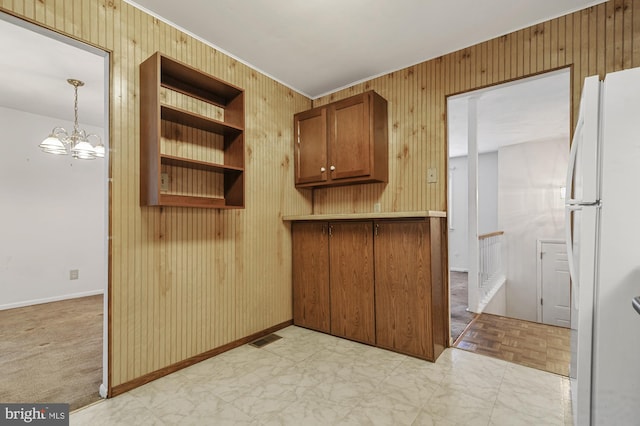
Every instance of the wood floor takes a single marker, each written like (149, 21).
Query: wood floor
(460, 317)
(52, 352)
(540, 346)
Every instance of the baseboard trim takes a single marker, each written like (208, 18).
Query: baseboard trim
(50, 299)
(103, 391)
(149, 377)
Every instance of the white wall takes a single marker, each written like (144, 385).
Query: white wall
(459, 207)
(52, 218)
(458, 213)
(530, 176)
(488, 192)
(498, 303)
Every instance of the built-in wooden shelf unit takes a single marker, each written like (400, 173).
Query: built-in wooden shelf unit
(191, 137)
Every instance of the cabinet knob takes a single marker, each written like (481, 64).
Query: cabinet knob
(332, 168)
(322, 170)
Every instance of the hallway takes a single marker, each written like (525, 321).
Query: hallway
(460, 317)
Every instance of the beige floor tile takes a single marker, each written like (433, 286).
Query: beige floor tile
(458, 407)
(382, 410)
(504, 415)
(310, 378)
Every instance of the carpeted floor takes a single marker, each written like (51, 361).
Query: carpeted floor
(52, 352)
(460, 318)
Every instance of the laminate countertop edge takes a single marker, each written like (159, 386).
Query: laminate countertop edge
(351, 216)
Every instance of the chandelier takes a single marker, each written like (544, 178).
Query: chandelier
(78, 143)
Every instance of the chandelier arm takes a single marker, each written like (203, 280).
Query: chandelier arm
(62, 134)
(93, 135)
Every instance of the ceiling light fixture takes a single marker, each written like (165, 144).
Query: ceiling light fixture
(78, 142)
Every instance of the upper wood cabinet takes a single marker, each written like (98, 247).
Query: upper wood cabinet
(345, 142)
(191, 137)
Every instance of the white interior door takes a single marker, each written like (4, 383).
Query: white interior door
(555, 297)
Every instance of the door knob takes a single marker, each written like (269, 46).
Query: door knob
(322, 170)
(332, 168)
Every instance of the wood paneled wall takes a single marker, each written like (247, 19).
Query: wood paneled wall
(596, 40)
(184, 281)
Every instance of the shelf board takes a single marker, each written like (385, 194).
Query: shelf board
(193, 82)
(171, 160)
(171, 200)
(181, 116)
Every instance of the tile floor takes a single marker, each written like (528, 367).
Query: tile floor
(309, 378)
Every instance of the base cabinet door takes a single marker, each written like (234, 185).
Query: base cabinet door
(403, 288)
(310, 242)
(351, 281)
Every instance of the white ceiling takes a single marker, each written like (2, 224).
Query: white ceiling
(319, 46)
(312, 46)
(529, 110)
(34, 69)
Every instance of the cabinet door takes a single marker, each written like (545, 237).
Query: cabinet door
(350, 150)
(403, 287)
(310, 258)
(310, 146)
(351, 281)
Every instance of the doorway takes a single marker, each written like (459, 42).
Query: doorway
(554, 284)
(508, 150)
(54, 250)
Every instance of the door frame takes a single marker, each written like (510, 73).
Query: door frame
(472, 163)
(539, 244)
(104, 387)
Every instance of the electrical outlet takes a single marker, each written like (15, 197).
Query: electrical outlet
(432, 175)
(74, 274)
(376, 207)
(164, 181)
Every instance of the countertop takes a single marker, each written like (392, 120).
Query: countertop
(369, 215)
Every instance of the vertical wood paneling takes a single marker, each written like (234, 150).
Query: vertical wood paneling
(635, 34)
(597, 40)
(184, 281)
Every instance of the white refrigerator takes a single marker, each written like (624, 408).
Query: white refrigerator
(603, 240)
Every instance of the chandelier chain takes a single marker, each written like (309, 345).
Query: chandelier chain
(76, 128)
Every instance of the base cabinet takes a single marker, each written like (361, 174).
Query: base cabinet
(379, 282)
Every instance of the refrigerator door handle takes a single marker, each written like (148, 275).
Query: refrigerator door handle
(573, 157)
(569, 239)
